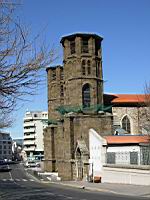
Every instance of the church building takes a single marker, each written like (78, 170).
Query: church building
(75, 105)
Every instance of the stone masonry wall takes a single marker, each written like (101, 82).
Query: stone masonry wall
(136, 116)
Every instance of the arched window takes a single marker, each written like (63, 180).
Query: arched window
(72, 46)
(86, 99)
(88, 67)
(61, 91)
(61, 74)
(53, 75)
(83, 67)
(126, 124)
(84, 45)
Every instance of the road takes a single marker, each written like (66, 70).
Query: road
(17, 185)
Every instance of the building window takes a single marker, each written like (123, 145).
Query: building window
(88, 67)
(126, 124)
(83, 67)
(61, 74)
(86, 99)
(84, 45)
(53, 75)
(72, 46)
(61, 91)
(97, 47)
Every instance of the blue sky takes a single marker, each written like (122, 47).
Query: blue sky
(124, 25)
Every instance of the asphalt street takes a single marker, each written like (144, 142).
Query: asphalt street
(17, 184)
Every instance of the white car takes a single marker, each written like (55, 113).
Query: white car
(31, 163)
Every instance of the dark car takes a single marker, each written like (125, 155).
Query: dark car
(4, 168)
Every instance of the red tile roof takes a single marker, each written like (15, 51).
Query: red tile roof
(127, 139)
(129, 98)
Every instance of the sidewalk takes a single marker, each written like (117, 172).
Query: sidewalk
(122, 189)
(115, 188)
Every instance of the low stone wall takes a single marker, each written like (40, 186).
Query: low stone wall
(126, 175)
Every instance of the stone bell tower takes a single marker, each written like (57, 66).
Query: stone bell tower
(79, 82)
(83, 74)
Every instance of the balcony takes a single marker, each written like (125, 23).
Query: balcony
(29, 130)
(28, 118)
(32, 148)
(29, 142)
(30, 136)
(29, 124)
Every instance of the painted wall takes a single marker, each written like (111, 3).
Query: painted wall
(126, 176)
(97, 152)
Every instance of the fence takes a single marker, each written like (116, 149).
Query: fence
(130, 158)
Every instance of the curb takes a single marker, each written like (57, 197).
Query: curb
(98, 189)
(84, 187)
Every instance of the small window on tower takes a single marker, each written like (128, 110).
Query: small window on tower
(53, 75)
(83, 67)
(72, 46)
(97, 47)
(61, 74)
(61, 91)
(86, 99)
(89, 67)
(84, 46)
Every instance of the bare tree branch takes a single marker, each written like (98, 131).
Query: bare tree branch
(22, 60)
(146, 109)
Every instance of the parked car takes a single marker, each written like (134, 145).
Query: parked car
(4, 168)
(31, 163)
(2, 162)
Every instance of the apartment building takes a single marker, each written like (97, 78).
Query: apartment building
(5, 146)
(34, 123)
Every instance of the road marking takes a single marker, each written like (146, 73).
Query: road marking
(24, 179)
(17, 180)
(69, 197)
(49, 193)
(31, 180)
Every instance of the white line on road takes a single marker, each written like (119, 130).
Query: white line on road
(61, 195)
(49, 193)
(10, 174)
(17, 180)
(64, 196)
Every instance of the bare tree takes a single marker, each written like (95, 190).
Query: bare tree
(22, 60)
(147, 94)
(147, 106)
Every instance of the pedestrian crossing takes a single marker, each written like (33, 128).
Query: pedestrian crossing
(17, 180)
